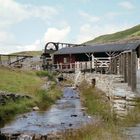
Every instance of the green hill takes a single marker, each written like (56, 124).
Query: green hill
(32, 53)
(126, 35)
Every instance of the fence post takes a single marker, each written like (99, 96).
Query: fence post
(124, 67)
(133, 71)
(129, 68)
(9, 60)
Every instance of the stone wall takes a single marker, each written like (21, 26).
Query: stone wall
(120, 95)
(5, 97)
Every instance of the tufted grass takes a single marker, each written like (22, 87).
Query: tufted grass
(106, 126)
(25, 82)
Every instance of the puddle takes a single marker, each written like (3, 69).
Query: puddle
(65, 114)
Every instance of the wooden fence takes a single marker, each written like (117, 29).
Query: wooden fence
(8, 60)
(96, 64)
(126, 65)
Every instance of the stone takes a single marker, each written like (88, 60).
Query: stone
(70, 124)
(36, 108)
(73, 115)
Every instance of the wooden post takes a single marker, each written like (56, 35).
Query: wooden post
(90, 66)
(124, 68)
(81, 66)
(96, 66)
(110, 71)
(9, 59)
(119, 64)
(115, 66)
(70, 66)
(85, 65)
(61, 66)
(129, 68)
(133, 71)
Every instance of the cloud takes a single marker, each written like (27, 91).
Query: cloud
(127, 5)
(52, 34)
(56, 35)
(89, 17)
(12, 12)
(14, 47)
(88, 31)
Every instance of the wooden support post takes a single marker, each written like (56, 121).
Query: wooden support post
(70, 66)
(9, 60)
(111, 66)
(124, 68)
(115, 66)
(81, 66)
(133, 71)
(91, 66)
(119, 64)
(96, 66)
(85, 65)
(61, 66)
(127, 67)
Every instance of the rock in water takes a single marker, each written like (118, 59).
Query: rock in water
(36, 108)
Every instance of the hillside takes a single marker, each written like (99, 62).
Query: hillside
(126, 35)
(32, 53)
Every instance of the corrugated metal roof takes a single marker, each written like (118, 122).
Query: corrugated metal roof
(98, 48)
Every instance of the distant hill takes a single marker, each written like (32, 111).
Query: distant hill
(32, 53)
(131, 34)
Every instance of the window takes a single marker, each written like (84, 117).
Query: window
(65, 60)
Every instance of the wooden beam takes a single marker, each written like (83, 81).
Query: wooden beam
(119, 64)
(122, 64)
(133, 71)
(9, 59)
(124, 68)
(129, 68)
(115, 66)
(96, 66)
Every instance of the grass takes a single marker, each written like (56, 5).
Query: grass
(46, 74)
(19, 81)
(28, 82)
(133, 116)
(31, 53)
(106, 127)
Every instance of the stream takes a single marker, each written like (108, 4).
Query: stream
(65, 114)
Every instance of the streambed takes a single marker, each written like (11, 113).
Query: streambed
(65, 114)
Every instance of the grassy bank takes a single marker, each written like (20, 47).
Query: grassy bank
(29, 83)
(18, 81)
(106, 127)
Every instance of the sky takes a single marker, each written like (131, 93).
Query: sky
(27, 25)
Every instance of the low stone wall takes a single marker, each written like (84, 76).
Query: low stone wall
(5, 97)
(120, 95)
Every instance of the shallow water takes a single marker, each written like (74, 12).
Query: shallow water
(133, 132)
(65, 114)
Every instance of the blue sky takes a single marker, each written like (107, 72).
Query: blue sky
(30, 24)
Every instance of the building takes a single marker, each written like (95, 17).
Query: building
(69, 57)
